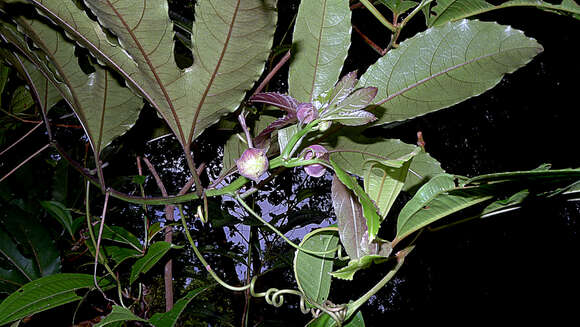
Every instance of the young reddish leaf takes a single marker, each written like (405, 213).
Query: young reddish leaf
(306, 113)
(343, 88)
(282, 101)
(359, 99)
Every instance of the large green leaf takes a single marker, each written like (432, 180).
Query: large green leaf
(312, 272)
(445, 65)
(446, 194)
(105, 108)
(119, 314)
(231, 41)
(352, 152)
(27, 248)
(169, 319)
(442, 204)
(452, 10)
(44, 294)
(322, 38)
(383, 182)
(154, 254)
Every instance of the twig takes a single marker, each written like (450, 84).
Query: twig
(168, 274)
(368, 41)
(24, 162)
(273, 72)
(98, 247)
(21, 138)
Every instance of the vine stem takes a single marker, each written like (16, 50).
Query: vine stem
(275, 230)
(24, 162)
(202, 259)
(96, 245)
(168, 269)
(273, 296)
(378, 15)
(21, 138)
(363, 299)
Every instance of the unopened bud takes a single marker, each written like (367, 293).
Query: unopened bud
(253, 163)
(315, 170)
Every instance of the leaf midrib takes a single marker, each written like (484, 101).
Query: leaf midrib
(215, 71)
(153, 70)
(317, 63)
(445, 71)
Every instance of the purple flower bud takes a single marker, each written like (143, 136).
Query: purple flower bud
(306, 113)
(253, 163)
(315, 170)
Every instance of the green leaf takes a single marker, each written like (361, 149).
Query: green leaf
(312, 272)
(59, 212)
(436, 185)
(505, 204)
(116, 253)
(441, 205)
(154, 254)
(347, 273)
(384, 183)
(285, 134)
(169, 319)
(119, 314)
(41, 89)
(4, 73)
(399, 7)
(119, 235)
(321, 38)
(541, 177)
(326, 321)
(21, 100)
(352, 118)
(445, 65)
(44, 294)
(233, 150)
(369, 210)
(154, 230)
(27, 246)
(452, 10)
(105, 108)
(353, 151)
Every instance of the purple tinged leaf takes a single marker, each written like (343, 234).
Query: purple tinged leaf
(315, 170)
(359, 99)
(352, 226)
(282, 101)
(343, 88)
(306, 113)
(253, 163)
(262, 141)
(352, 118)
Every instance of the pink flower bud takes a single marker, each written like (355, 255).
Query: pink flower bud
(253, 163)
(315, 170)
(306, 113)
